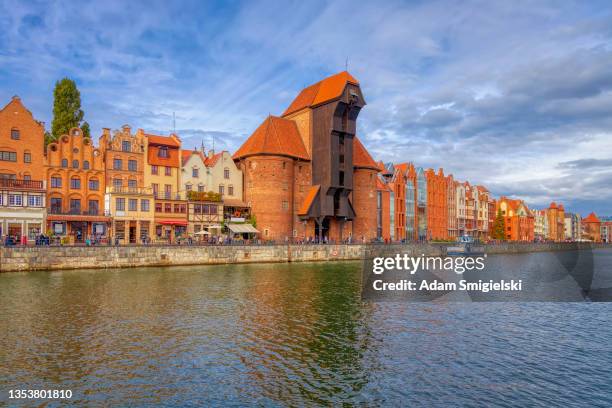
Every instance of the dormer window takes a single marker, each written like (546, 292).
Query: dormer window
(76, 132)
(163, 152)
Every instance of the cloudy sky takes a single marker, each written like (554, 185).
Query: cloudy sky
(513, 95)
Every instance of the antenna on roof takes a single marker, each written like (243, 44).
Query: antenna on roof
(173, 123)
(213, 143)
(346, 64)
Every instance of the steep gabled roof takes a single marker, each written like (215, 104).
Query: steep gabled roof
(361, 157)
(323, 91)
(186, 155)
(275, 136)
(591, 218)
(163, 140)
(210, 161)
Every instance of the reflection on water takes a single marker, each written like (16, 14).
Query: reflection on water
(296, 334)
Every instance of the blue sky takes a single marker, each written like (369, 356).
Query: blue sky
(513, 95)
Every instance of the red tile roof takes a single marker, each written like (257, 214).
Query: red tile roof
(171, 161)
(312, 193)
(591, 218)
(275, 136)
(186, 155)
(361, 157)
(163, 140)
(323, 91)
(382, 186)
(211, 161)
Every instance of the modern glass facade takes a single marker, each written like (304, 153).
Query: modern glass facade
(392, 216)
(410, 210)
(421, 194)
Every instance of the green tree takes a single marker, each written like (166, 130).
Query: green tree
(67, 111)
(85, 129)
(499, 226)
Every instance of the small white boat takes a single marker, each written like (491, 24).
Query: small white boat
(465, 246)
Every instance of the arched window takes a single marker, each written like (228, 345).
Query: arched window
(86, 164)
(75, 164)
(15, 134)
(75, 183)
(94, 184)
(64, 162)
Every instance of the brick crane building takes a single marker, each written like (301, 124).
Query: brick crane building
(306, 174)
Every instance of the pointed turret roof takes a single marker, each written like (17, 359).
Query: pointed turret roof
(591, 218)
(276, 136)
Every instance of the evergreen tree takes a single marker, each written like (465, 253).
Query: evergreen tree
(499, 226)
(67, 111)
(85, 129)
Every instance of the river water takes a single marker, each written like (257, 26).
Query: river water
(290, 334)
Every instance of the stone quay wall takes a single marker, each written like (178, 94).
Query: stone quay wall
(13, 259)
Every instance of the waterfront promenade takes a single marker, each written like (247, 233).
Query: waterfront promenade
(18, 258)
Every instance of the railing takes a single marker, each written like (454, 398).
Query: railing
(17, 183)
(130, 190)
(163, 195)
(75, 211)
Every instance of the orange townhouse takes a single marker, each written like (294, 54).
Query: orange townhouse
(519, 221)
(22, 174)
(75, 176)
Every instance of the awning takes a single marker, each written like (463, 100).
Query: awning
(242, 228)
(77, 217)
(228, 202)
(172, 222)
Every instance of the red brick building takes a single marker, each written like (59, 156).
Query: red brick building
(519, 221)
(437, 204)
(306, 174)
(591, 228)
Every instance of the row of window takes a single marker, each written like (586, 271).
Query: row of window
(167, 170)
(18, 200)
(75, 206)
(145, 204)
(118, 165)
(171, 208)
(75, 164)
(230, 189)
(195, 172)
(206, 209)
(75, 183)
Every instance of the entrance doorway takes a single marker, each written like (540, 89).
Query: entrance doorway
(132, 233)
(79, 230)
(322, 229)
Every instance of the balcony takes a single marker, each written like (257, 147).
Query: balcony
(21, 184)
(130, 190)
(77, 211)
(165, 195)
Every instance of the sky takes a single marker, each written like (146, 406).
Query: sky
(516, 96)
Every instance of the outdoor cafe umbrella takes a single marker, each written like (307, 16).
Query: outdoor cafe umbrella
(203, 232)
